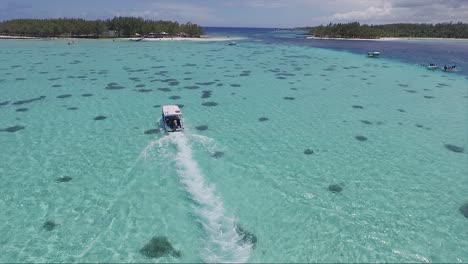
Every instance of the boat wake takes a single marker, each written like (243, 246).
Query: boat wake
(222, 242)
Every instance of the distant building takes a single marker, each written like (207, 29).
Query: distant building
(112, 33)
(161, 34)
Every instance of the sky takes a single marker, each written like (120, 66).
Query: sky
(246, 13)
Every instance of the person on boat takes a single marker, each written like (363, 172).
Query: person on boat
(175, 123)
(445, 67)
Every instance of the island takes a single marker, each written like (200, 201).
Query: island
(355, 30)
(117, 27)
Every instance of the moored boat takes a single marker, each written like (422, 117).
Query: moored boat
(373, 54)
(432, 66)
(450, 67)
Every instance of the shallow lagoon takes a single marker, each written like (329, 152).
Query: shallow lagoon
(83, 180)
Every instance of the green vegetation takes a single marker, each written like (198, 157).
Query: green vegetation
(118, 27)
(356, 30)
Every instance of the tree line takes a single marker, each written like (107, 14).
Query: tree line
(115, 27)
(402, 30)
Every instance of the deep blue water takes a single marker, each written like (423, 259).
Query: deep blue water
(424, 52)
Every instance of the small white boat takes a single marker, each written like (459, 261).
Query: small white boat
(373, 54)
(432, 66)
(232, 43)
(172, 118)
(137, 39)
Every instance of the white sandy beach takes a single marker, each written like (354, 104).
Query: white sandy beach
(145, 39)
(15, 37)
(187, 39)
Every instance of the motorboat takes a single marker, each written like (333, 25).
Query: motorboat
(172, 118)
(232, 43)
(137, 39)
(373, 54)
(450, 67)
(432, 66)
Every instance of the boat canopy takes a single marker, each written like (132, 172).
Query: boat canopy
(171, 110)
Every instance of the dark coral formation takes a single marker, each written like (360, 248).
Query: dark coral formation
(206, 94)
(158, 247)
(49, 225)
(64, 96)
(464, 210)
(308, 152)
(192, 87)
(218, 154)
(335, 188)
(205, 83)
(360, 138)
(29, 100)
(454, 148)
(210, 104)
(164, 89)
(144, 90)
(114, 86)
(12, 129)
(64, 179)
(152, 131)
(100, 118)
(202, 127)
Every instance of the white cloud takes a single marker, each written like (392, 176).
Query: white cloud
(182, 12)
(395, 11)
(265, 4)
(370, 13)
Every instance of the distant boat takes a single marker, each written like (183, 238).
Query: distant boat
(172, 118)
(138, 39)
(432, 66)
(232, 43)
(373, 54)
(450, 67)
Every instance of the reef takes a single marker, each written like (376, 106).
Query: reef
(158, 247)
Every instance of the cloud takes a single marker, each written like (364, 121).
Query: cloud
(265, 4)
(402, 11)
(182, 12)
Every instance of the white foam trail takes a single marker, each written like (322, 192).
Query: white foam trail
(222, 244)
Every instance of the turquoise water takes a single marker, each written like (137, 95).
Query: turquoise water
(242, 190)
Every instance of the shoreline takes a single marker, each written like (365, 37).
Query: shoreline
(201, 39)
(185, 39)
(393, 39)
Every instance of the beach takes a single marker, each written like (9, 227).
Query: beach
(201, 39)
